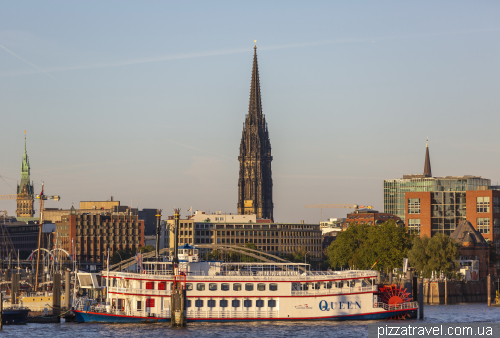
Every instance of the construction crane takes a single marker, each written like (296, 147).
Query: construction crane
(336, 206)
(42, 198)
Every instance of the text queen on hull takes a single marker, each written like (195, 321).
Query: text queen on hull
(216, 291)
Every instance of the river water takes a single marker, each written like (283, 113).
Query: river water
(460, 313)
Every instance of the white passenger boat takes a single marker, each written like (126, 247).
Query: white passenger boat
(217, 291)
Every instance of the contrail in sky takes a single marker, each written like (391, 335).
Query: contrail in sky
(218, 53)
(40, 70)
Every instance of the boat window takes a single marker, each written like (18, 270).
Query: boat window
(329, 285)
(162, 285)
(236, 287)
(150, 302)
(247, 303)
(189, 286)
(305, 286)
(211, 303)
(296, 287)
(139, 305)
(273, 287)
(317, 286)
(261, 287)
(235, 303)
(212, 286)
(224, 287)
(248, 287)
(259, 303)
(198, 303)
(188, 303)
(352, 283)
(223, 303)
(271, 303)
(339, 284)
(200, 286)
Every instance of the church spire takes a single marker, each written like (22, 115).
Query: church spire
(255, 105)
(427, 165)
(255, 184)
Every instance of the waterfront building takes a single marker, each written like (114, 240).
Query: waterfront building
(370, 217)
(88, 207)
(22, 235)
(273, 238)
(94, 234)
(255, 184)
(25, 211)
(473, 248)
(450, 191)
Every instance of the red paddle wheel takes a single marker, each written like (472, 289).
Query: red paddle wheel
(394, 295)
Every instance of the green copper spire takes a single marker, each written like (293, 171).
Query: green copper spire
(25, 169)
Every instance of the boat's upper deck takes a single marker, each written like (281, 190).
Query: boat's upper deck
(241, 271)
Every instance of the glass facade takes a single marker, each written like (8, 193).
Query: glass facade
(448, 205)
(447, 210)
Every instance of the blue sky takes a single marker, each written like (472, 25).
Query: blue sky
(146, 100)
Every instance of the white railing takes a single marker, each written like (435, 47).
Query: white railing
(146, 292)
(126, 312)
(402, 306)
(334, 291)
(232, 313)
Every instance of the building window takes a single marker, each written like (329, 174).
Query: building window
(414, 226)
(496, 225)
(496, 205)
(483, 225)
(483, 204)
(414, 205)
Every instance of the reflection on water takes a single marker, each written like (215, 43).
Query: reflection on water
(461, 313)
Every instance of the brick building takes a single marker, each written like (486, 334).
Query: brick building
(94, 234)
(370, 217)
(473, 246)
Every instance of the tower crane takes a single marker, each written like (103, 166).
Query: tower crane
(332, 206)
(42, 198)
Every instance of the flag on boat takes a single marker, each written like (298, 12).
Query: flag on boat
(190, 209)
(373, 265)
(138, 260)
(30, 258)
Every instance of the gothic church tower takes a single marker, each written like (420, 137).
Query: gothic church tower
(255, 184)
(25, 192)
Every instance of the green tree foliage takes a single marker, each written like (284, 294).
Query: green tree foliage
(440, 254)
(147, 248)
(361, 245)
(121, 254)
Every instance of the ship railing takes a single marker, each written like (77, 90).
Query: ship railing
(402, 306)
(126, 312)
(232, 313)
(145, 292)
(313, 292)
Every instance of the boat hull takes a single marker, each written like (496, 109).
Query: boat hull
(96, 317)
(15, 316)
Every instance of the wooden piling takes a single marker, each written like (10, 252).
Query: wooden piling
(56, 295)
(1, 309)
(445, 291)
(421, 299)
(488, 289)
(14, 297)
(67, 290)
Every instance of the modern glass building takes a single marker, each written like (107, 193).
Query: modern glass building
(449, 193)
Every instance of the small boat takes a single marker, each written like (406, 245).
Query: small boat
(15, 315)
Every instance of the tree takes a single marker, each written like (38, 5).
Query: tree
(361, 245)
(147, 248)
(440, 254)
